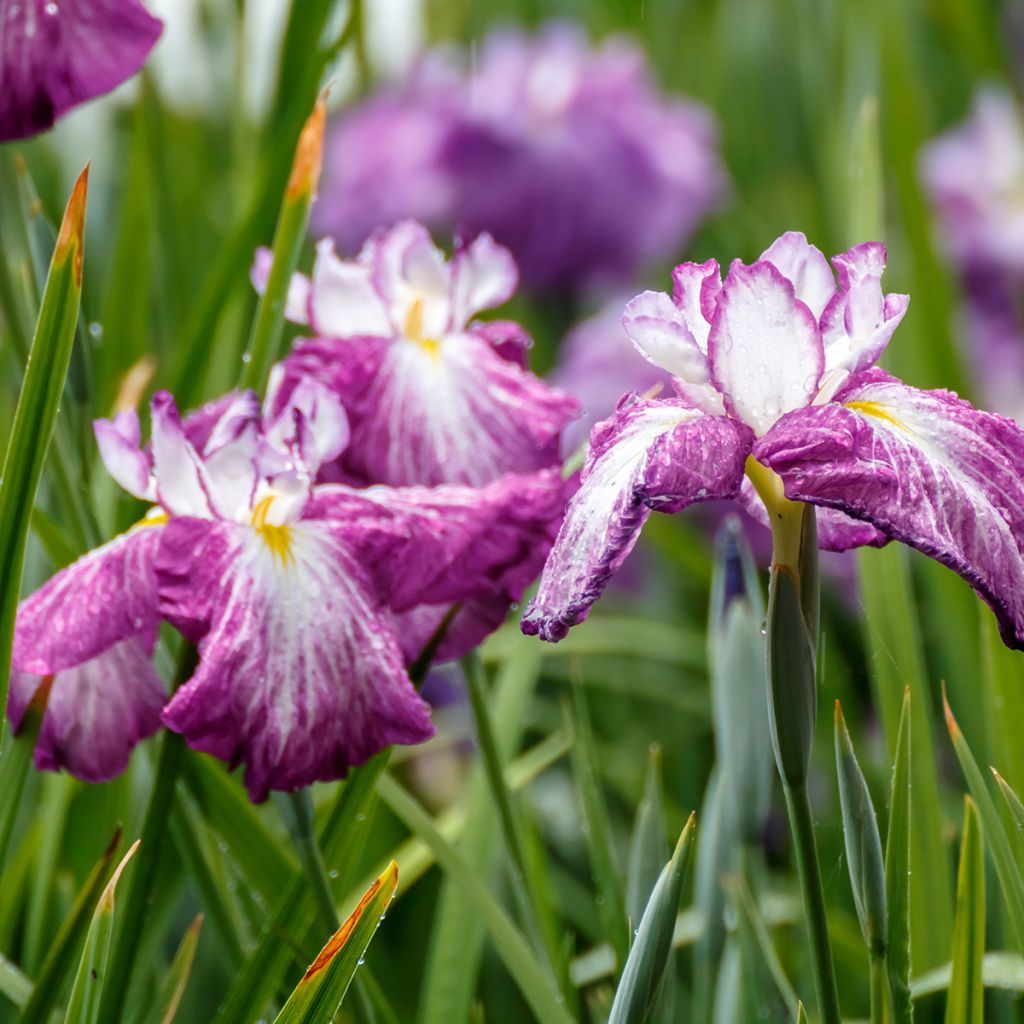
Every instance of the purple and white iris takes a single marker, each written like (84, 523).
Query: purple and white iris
(56, 54)
(778, 396)
(566, 153)
(433, 396)
(291, 590)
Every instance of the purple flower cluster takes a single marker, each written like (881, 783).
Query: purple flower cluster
(311, 545)
(566, 154)
(55, 54)
(777, 399)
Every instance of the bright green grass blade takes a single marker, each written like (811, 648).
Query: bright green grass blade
(600, 840)
(644, 970)
(1002, 683)
(648, 848)
(172, 988)
(267, 329)
(84, 1005)
(1013, 802)
(13, 984)
(508, 941)
(319, 994)
(897, 874)
(801, 1014)
(57, 969)
(965, 999)
(15, 763)
(897, 662)
(36, 413)
(1007, 868)
(1003, 971)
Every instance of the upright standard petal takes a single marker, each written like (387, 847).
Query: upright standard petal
(182, 487)
(96, 712)
(484, 275)
(765, 349)
(55, 54)
(300, 676)
(108, 595)
(805, 267)
(925, 468)
(343, 301)
(650, 454)
(660, 331)
(119, 446)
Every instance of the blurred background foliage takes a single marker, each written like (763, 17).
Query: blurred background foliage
(822, 109)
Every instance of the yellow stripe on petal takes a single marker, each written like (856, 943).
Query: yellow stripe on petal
(277, 537)
(879, 411)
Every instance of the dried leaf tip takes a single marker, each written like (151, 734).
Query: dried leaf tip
(107, 899)
(72, 227)
(954, 729)
(305, 176)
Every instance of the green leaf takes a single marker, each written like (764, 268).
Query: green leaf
(1013, 802)
(318, 996)
(801, 1014)
(644, 971)
(965, 999)
(1004, 971)
(648, 848)
(863, 844)
(36, 413)
(13, 984)
(897, 874)
(84, 1005)
(509, 942)
(17, 756)
(1007, 869)
(173, 986)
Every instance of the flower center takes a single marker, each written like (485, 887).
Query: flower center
(414, 329)
(277, 537)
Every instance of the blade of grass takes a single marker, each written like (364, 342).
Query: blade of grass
(36, 413)
(13, 984)
(897, 874)
(965, 999)
(172, 988)
(16, 760)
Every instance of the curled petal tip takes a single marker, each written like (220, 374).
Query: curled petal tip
(72, 228)
(305, 176)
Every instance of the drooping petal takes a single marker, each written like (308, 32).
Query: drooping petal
(805, 267)
(859, 320)
(296, 303)
(343, 302)
(695, 288)
(924, 467)
(300, 676)
(765, 349)
(119, 446)
(55, 54)
(105, 597)
(659, 330)
(180, 474)
(649, 455)
(483, 276)
(96, 712)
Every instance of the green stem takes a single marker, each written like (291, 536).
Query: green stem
(304, 836)
(802, 826)
(879, 990)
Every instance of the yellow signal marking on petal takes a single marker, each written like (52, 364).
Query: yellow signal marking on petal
(878, 411)
(414, 329)
(156, 516)
(277, 537)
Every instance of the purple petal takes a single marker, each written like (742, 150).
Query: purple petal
(55, 54)
(106, 596)
(695, 291)
(925, 468)
(96, 712)
(118, 443)
(764, 348)
(507, 338)
(651, 454)
(659, 330)
(182, 487)
(805, 267)
(300, 675)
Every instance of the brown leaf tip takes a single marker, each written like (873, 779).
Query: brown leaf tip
(72, 227)
(954, 729)
(305, 176)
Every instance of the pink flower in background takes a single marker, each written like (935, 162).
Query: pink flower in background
(568, 154)
(775, 379)
(56, 54)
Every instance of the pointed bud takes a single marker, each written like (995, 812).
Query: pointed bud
(71, 240)
(305, 176)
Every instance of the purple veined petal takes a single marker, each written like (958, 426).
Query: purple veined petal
(410, 273)
(325, 433)
(649, 455)
(343, 301)
(300, 676)
(765, 348)
(118, 441)
(483, 275)
(453, 412)
(105, 597)
(836, 530)
(805, 267)
(695, 288)
(659, 330)
(180, 475)
(859, 320)
(199, 424)
(55, 55)
(507, 338)
(229, 471)
(97, 712)
(296, 303)
(925, 468)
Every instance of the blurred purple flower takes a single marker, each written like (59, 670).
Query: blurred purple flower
(55, 54)
(775, 379)
(566, 153)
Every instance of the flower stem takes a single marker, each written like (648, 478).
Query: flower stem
(879, 990)
(304, 837)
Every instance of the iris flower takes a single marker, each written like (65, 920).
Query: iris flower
(433, 396)
(55, 54)
(777, 395)
(290, 590)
